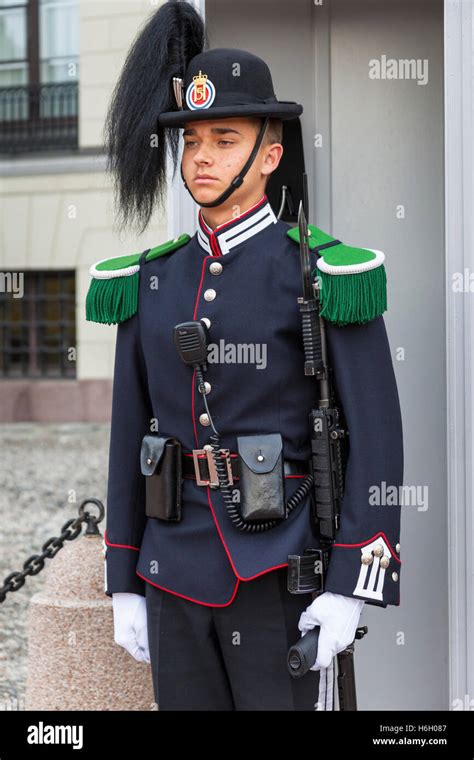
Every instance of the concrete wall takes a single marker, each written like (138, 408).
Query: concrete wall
(388, 193)
(378, 181)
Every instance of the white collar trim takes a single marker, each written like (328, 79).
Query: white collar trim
(229, 237)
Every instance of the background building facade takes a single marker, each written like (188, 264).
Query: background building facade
(59, 61)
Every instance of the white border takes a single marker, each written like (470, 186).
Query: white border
(352, 268)
(107, 274)
(459, 213)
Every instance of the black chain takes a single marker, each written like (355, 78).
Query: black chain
(70, 530)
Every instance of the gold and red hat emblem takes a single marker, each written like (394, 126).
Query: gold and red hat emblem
(200, 93)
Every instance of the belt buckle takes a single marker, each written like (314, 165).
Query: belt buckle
(214, 480)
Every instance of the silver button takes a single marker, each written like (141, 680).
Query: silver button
(366, 559)
(215, 267)
(204, 419)
(378, 551)
(207, 387)
(395, 576)
(385, 561)
(210, 294)
(206, 320)
(397, 548)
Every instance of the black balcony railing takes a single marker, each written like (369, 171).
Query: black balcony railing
(38, 117)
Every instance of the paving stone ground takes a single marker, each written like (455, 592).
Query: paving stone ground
(46, 471)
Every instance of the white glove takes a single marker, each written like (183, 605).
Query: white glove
(338, 617)
(130, 624)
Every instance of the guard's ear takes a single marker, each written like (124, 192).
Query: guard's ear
(272, 158)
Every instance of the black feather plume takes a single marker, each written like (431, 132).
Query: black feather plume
(136, 145)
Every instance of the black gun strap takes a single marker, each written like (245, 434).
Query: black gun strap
(326, 245)
(142, 259)
(318, 356)
(318, 249)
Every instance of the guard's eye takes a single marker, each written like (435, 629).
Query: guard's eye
(189, 143)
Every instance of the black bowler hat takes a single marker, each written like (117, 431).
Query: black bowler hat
(171, 76)
(225, 82)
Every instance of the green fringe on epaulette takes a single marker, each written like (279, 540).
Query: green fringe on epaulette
(113, 300)
(353, 298)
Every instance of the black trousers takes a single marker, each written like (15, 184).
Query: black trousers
(234, 657)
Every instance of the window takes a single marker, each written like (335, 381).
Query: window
(58, 41)
(37, 329)
(39, 60)
(13, 42)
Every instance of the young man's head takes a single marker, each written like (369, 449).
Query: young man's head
(217, 149)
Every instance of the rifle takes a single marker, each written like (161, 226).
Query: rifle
(327, 436)
(328, 463)
(302, 655)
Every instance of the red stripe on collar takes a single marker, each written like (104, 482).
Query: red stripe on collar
(205, 227)
(212, 235)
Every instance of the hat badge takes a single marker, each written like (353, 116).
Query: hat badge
(201, 92)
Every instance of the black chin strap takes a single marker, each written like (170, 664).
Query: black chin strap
(237, 181)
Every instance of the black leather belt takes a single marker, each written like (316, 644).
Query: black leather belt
(199, 464)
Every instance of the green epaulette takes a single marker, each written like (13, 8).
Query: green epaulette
(353, 281)
(113, 292)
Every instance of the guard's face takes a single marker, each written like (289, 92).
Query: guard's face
(215, 151)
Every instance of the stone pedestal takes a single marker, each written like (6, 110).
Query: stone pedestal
(73, 661)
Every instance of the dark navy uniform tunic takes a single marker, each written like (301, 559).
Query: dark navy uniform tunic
(244, 278)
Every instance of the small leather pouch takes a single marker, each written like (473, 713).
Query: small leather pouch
(161, 463)
(262, 482)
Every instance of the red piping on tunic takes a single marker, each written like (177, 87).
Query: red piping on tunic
(364, 543)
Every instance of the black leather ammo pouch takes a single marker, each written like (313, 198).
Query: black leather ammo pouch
(262, 481)
(161, 463)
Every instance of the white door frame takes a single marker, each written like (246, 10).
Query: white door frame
(459, 213)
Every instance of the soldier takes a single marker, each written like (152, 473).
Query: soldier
(208, 463)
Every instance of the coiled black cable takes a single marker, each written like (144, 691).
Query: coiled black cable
(257, 526)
